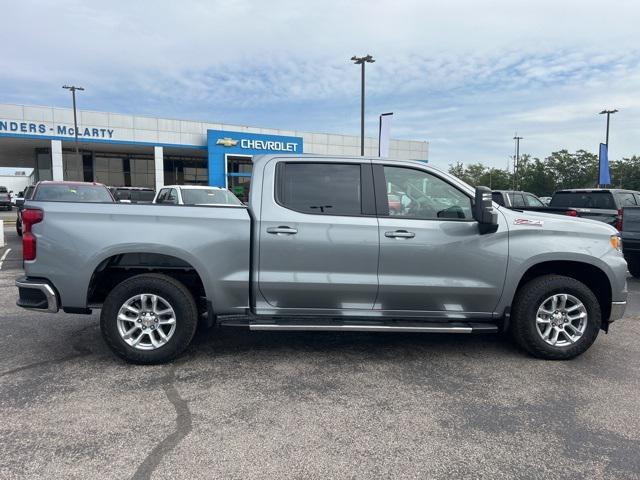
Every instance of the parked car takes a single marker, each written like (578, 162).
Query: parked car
(5, 199)
(516, 199)
(602, 204)
(133, 194)
(26, 195)
(630, 234)
(16, 198)
(57, 191)
(318, 248)
(195, 195)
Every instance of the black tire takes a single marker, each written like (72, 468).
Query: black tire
(177, 295)
(19, 227)
(525, 308)
(633, 264)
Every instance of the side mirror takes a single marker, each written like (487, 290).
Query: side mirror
(483, 211)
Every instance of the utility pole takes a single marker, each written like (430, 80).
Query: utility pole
(361, 61)
(516, 161)
(608, 113)
(73, 89)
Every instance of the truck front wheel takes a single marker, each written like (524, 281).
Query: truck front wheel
(555, 317)
(149, 318)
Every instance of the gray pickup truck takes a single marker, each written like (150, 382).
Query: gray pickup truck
(326, 244)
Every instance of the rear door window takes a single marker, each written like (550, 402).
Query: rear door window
(320, 188)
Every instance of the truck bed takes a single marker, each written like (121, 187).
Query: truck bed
(75, 240)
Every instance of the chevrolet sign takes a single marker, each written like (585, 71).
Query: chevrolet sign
(227, 142)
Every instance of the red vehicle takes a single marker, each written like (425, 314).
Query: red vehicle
(57, 191)
(395, 204)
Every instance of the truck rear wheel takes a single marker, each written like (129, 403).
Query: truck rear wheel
(555, 317)
(148, 319)
(633, 264)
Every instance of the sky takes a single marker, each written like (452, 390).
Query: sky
(464, 75)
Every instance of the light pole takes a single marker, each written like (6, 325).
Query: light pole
(361, 61)
(73, 89)
(516, 161)
(606, 142)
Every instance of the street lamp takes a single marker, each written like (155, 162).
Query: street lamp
(608, 113)
(516, 161)
(361, 61)
(73, 89)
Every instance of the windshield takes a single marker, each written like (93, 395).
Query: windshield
(602, 200)
(73, 193)
(3, 189)
(209, 196)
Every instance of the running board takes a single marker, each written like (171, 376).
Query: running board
(354, 327)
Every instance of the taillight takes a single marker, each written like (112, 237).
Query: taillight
(619, 219)
(571, 213)
(30, 217)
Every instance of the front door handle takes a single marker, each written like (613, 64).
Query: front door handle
(282, 230)
(399, 234)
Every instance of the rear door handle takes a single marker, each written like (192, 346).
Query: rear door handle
(399, 234)
(282, 230)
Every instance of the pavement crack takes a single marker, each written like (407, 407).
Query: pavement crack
(183, 428)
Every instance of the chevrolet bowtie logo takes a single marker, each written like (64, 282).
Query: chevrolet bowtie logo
(227, 142)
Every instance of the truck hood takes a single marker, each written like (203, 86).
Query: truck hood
(518, 220)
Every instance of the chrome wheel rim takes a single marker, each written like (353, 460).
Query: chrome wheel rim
(561, 320)
(146, 321)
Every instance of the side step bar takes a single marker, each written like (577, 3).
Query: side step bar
(354, 327)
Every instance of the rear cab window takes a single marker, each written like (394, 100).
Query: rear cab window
(594, 199)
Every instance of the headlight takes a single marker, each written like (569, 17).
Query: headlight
(616, 242)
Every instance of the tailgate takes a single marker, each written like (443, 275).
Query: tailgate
(631, 229)
(601, 215)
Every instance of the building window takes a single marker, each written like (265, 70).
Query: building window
(109, 171)
(43, 165)
(179, 170)
(72, 167)
(142, 171)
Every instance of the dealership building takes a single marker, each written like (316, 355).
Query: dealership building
(133, 150)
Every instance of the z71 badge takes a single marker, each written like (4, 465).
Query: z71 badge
(528, 223)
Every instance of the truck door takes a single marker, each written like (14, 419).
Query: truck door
(318, 236)
(433, 260)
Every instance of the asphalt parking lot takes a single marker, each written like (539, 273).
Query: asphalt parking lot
(317, 405)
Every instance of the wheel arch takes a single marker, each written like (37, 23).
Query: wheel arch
(591, 275)
(115, 267)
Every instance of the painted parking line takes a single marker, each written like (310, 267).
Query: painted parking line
(3, 257)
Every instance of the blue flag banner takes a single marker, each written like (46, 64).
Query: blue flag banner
(604, 178)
